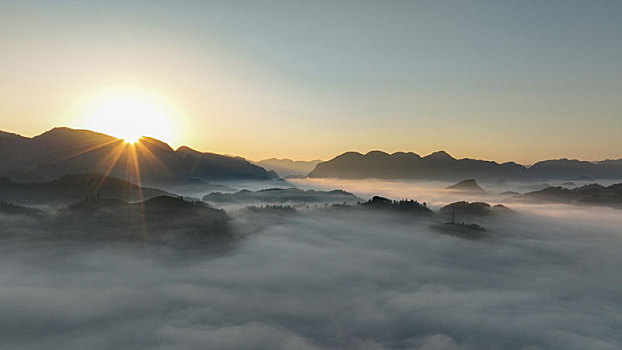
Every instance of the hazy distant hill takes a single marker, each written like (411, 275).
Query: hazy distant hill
(573, 169)
(442, 166)
(63, 151)
(593, 194)
(283, 195)
(73, 188)
(288, 167)
(469, 185)
(462, 209)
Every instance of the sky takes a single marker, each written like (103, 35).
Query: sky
(498, 80)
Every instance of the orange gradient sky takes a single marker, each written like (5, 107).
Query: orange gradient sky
(312, 80)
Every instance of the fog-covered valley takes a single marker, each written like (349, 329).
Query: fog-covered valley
(320, 277)
(266, 175)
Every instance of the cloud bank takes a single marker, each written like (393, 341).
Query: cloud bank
(324, 280)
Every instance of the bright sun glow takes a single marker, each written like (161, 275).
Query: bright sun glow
(129, 115)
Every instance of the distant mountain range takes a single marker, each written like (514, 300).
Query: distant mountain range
(593, 194)
(288, 167)
(441, 166)
(63, 151)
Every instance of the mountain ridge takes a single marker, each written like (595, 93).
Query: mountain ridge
(62, 151)
(441, 165)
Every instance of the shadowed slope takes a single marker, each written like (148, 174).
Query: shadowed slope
(156, 220)
(474, 209)
(438, 165)
(72, 188)
(593, 194)
(63, 151)
(442, 166)
(469, 185)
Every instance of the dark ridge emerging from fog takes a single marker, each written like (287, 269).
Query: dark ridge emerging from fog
(72, 188)
(283, 195)
(276, 209)
(593, 194)
(408, 206)
(469, 185)
(442, 166)
(63, 151)
(157, 220)
(474, 209)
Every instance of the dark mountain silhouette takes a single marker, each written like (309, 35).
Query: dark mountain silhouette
(156, 220)
(438, 165)
(572, 169)
(462, 209)
(63, 151)
(277, 209)
(10, 136)
(401, 206)
(288, 167)
(461, 217)
(593, 194)
(404, 208)
(72, 188)
(469, 185)
(282, 195)
(442, 166)
(159, 220)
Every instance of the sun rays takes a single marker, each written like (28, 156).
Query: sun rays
(120, 158)
(129, 114)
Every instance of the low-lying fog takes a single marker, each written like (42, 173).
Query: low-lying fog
(433, 192)
(546, 278)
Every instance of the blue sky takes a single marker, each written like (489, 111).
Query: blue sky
(520, 80)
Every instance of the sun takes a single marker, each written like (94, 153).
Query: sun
(131, 140)
(130, 115)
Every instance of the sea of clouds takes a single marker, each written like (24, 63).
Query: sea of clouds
(546, 278)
